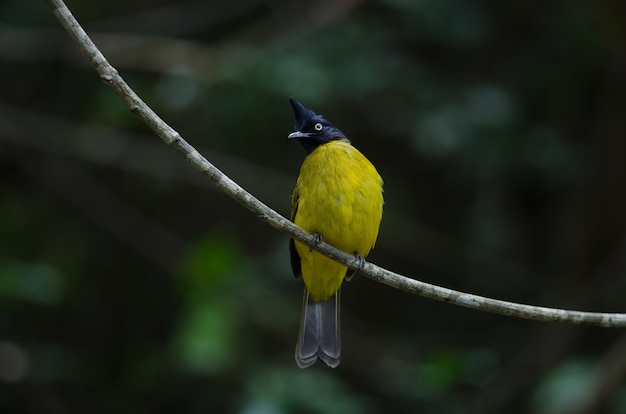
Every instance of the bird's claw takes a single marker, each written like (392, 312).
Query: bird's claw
(361, 263)
(317, 238)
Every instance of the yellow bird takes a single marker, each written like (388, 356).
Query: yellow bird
(339, 199)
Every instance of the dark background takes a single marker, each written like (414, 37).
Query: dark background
(128, 284)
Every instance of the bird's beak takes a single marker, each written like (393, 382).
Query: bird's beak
(298, 134)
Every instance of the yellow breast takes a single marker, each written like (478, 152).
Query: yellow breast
(339, 196)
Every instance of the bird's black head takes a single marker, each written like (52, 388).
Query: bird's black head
(312, 130)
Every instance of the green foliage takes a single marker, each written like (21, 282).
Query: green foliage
(272, 390)
(31, 283)
(206, 340)
(213, 265)
(566, 388)
(438, 374)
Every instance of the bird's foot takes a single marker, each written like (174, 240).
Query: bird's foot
(361, 262)
(317, 238)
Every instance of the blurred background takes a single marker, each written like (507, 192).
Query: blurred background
(128, 284)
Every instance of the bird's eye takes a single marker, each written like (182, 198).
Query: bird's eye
(318, 127)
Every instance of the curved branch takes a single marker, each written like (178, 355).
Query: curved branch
(112, 78)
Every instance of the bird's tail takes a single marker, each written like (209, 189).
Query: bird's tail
(319, 332)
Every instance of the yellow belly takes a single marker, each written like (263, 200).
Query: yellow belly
(338, 196)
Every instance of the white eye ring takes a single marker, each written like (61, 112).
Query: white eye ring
(318, 127)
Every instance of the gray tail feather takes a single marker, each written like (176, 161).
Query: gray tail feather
(319, 332)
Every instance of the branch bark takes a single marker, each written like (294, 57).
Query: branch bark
(111, 77)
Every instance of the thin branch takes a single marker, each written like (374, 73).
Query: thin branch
(112, 78)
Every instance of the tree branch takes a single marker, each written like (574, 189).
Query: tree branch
(112, 78)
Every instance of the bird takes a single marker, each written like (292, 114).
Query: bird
(338, 198)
